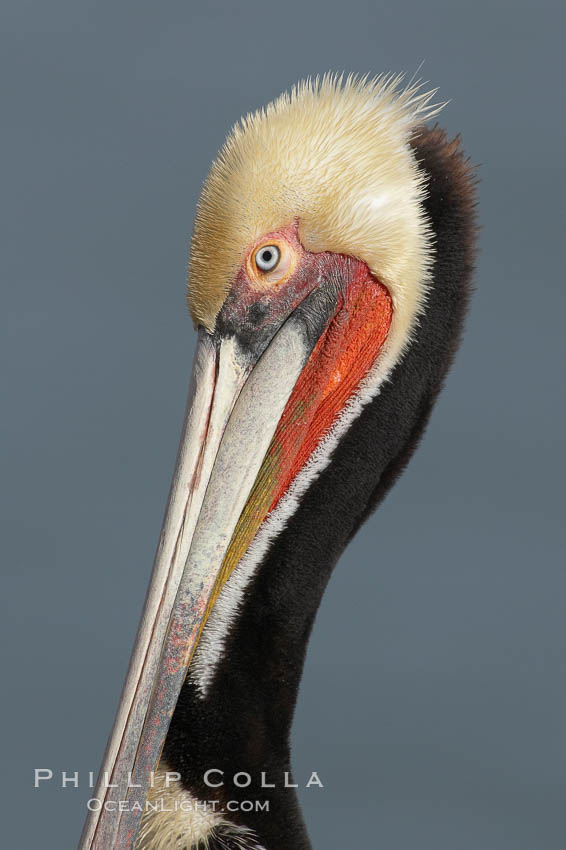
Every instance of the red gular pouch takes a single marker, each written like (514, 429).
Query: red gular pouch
(345, 351)
(343, 355)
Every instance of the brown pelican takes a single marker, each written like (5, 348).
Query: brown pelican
(329, 277)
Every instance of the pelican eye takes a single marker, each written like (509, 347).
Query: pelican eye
(267, 258)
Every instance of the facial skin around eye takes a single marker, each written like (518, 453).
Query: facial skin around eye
(272, 262)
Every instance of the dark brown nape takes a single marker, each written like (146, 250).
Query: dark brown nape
(453, 179)
(451, 206)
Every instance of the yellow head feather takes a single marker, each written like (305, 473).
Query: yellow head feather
(333, 154)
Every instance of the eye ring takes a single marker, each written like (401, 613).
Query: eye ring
(267, 258)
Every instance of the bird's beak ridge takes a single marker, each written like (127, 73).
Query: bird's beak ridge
(235, 403)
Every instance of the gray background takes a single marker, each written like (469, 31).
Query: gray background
(436, 719)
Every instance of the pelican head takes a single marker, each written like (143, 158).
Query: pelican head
(328, 279)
